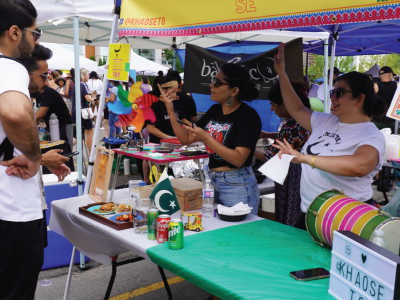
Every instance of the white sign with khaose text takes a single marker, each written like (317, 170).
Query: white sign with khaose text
(360, 270)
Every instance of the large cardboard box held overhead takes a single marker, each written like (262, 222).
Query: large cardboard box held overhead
(188, 192)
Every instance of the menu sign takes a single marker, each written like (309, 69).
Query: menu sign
(361, 270)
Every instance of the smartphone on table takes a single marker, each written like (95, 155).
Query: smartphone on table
(310, 274)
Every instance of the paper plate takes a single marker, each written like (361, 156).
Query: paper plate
(113, 218)
(94, 209)
(245, 212)
(235, 218)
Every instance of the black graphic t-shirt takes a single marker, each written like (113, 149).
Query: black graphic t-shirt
(240, 128)
(162, 120)
(187, 105)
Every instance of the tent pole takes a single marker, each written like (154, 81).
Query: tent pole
(307, 63)
(174, 52)
(328, 100)
(100, 109)
(78, 103)
(78, 136)
(326, 44)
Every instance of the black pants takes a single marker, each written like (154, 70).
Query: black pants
(21, 258)
(301, 223)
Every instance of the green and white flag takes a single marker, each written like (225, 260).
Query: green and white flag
(163, 196)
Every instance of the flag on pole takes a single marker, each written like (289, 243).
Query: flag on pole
(163, 196)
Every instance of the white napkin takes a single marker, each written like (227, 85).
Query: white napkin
(236, 210)
(276, 168)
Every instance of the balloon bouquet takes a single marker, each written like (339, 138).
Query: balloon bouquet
(134, 108)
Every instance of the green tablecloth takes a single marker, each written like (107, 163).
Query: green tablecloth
(249, 261)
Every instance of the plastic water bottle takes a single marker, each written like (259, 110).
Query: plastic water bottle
(54, 128)
(208, 199)
(379, 240)
(127, 167)
(41, 130)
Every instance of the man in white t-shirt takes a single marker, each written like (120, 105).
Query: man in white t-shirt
(21, 232)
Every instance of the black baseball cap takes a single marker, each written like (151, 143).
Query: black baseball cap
(385, 70)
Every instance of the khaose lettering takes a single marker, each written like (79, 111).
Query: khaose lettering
(145, 21)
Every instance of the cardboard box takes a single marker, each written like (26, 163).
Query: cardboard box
(188, 192)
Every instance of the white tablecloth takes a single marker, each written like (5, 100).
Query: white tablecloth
(100, 242)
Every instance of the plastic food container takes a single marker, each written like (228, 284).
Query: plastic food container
(113, 143)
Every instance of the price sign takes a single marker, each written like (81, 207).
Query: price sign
(361, 270)
(119, 62)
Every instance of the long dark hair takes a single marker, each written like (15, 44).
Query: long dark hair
(361, 84)
(237, 76)
(275, 94)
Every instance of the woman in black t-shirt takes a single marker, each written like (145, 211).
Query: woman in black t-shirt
(230, 131)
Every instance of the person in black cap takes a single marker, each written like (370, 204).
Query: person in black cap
(321, 92)
(385, 89)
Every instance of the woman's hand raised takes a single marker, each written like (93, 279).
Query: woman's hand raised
(279, 60)
(169, 96)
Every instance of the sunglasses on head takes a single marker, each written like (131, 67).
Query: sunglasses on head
(36, 34)
(339, 92)
(216, 82)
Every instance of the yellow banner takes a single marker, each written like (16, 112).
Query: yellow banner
(159, 14)
(119, 62)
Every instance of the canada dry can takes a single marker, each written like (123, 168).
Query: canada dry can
(162, 228)
(152, 215)
(175, 234)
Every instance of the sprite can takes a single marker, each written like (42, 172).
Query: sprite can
(175, 234)
(152, 215)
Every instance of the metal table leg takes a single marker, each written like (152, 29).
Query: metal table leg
(112, 279)
(164, 278)
(71, 266)
(383, 186)
(114, 266)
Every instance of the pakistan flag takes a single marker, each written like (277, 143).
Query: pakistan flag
(163, 196)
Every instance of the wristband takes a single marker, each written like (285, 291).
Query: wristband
(313, 161)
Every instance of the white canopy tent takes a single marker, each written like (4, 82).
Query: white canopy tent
(63, 59)
(143, 66)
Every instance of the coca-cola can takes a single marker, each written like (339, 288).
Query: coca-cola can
(162, 228)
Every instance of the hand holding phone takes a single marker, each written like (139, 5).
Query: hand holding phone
(71, 154)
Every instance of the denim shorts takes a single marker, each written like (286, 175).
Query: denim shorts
(236, 186)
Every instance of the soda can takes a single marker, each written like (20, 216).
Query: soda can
(175, 234)
(162, 228)
(152, 215)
